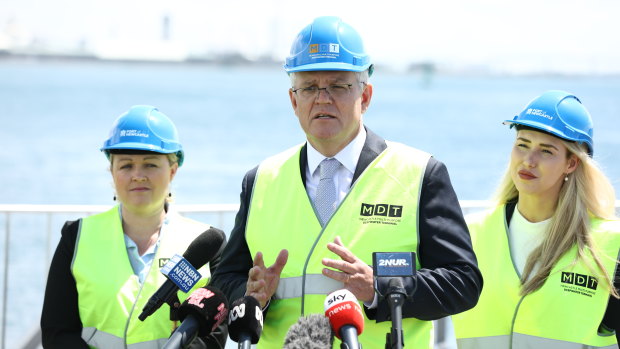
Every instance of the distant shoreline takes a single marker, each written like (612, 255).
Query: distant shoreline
(427, 70)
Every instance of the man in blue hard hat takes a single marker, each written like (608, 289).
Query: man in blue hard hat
(311, 217)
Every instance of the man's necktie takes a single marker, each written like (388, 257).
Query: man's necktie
(326, 195)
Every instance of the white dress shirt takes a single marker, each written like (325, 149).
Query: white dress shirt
(347, 157)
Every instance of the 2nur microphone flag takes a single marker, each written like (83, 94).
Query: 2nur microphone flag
(393, 264)
(181, 272)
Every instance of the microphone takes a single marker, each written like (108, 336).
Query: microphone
(181, 271)
(345, 316)
(312, 331)
(394, 280)
(202, 312)
(245, 321)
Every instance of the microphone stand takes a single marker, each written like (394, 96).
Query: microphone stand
(396, 295)
(395, 267)
(244, 341)
(349, 338)
(183, 336)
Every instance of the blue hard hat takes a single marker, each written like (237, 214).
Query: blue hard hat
(145, 128)
(561, 114)
(328, 44)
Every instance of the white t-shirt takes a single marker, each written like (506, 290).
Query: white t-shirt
(523, 237)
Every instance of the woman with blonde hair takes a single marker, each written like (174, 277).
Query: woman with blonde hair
(548, 250)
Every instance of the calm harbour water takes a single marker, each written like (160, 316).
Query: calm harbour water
(55, 116)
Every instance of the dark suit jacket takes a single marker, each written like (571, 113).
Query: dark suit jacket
(449, 281)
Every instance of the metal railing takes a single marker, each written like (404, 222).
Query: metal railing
(216, 212)
(223, 214)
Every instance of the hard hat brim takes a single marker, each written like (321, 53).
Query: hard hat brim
(331, 66)
(131, 146)
(139, 146)
(550, 130)
(543, 127)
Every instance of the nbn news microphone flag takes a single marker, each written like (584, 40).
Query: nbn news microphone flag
(181, 272)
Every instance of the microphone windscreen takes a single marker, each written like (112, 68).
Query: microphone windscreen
(310, 332)
(204, 247)
(341, 308)
(245, 317)
(208, 305)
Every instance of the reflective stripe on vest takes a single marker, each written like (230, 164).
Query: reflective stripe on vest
(379, 212)
(496, 342)
(100, 339)
(110, 296)
(565, 312)
(500, 342)
(293, 287)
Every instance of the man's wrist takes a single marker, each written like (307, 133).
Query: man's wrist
(373, 304)
(266, 305)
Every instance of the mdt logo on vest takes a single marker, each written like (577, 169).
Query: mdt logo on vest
(381, 213)
(163, 261)
(381, 210)
(579, 283)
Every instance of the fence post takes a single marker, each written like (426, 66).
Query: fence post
(5, 284)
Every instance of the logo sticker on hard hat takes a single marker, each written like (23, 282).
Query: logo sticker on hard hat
(133, 133)
(324, 50)
(539, 112)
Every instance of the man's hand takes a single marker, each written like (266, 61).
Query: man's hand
(263, 282)
(354, 273)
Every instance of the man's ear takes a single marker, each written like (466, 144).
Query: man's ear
(366, 97)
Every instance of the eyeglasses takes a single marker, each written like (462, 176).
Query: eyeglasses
(334, 90)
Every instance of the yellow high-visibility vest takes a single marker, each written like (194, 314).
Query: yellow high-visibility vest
(379, 214)
(110, 296)
(564, 313)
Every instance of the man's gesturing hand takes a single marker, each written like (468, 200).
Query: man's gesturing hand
(263, 282)
(354, 273)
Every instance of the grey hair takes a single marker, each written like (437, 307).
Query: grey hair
(362, 77)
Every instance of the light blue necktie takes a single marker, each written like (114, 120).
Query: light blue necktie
(326, 196)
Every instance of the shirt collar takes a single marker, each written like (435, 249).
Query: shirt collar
(348, 156)
(131, 245)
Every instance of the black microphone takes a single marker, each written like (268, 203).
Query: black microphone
(245, 321)
(201, 313)
(313, 331)
(394, 281)
(198, 253)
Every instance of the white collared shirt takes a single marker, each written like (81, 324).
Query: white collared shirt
(348, 158)
(142, 264)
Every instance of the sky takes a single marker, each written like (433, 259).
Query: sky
(519, 36)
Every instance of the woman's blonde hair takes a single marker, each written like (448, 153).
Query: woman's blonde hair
(586, 192)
